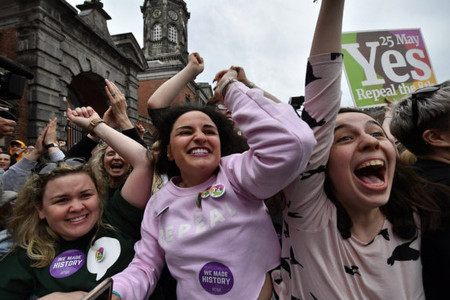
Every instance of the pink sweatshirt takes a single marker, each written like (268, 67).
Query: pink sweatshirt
(225, 248)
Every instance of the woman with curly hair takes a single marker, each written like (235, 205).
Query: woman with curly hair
(209, 222)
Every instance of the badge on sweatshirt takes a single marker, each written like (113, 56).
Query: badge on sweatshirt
(205, 194)
(217, 190)
(99, 254)
(216, 278)
(67, 263)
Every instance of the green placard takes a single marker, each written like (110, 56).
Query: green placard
(385, 64)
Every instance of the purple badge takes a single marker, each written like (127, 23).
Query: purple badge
(216, 278)
(67, 263)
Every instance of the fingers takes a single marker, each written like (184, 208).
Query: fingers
(219, 75)
(52, 123)
(198, 57)
(84, 112)
(7, 127)
(113, 92)
(236, 68)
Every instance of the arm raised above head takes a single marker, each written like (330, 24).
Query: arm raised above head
(328, 32)
(169, 90)
(137, 188)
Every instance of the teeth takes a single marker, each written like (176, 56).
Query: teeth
(376, 162)
(77, 219)
(199, 151)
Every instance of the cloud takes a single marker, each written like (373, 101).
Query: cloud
(271, 39)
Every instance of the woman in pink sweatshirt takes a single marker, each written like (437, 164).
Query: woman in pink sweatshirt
(209, 223)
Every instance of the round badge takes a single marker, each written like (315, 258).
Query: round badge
(206, 193)
(216, 278)
(67, 263)
(99, 254)
(217, 190)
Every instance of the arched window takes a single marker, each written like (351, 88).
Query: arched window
(157, 32)
(172, 34)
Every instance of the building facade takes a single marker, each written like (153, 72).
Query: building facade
(166, 51)
(71, 52)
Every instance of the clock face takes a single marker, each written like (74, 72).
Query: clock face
(156, 13)
(173, 15)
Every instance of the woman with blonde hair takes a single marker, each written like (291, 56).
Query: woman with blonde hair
(65, 242)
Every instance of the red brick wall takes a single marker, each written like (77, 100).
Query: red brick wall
(145, 90)
(148, 87)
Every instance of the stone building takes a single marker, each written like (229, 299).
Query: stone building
(70, 54)
(166, 50)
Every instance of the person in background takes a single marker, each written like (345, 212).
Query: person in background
(17, 149)
(421, 121)
(115, 116)
(15, 177)
(5, 161)
(29, 148)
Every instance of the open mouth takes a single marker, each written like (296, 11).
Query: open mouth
(116, 166)
(371, 172)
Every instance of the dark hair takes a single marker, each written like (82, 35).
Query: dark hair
(230, 141)
(410, 194)
(432, 109)
(212, 102)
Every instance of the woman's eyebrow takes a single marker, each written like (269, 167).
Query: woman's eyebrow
(341, 126)
(183, 127)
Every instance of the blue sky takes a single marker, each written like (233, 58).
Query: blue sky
(271, 39)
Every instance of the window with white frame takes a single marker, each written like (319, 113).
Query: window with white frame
(172, 34)
(157, 32)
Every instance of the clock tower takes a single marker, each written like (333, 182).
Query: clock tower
(166, 52)
(165, 30)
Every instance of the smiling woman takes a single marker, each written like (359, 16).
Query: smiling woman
(209, 222)
(65, 239)
(354, 219)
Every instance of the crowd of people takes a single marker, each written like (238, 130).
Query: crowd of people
(240, 198)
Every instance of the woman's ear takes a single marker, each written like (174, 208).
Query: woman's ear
(40, 211)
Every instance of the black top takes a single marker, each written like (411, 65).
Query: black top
(436, 245)
(433, 170)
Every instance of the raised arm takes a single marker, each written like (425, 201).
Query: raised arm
(242, 77)
(117, 113)
(280, 142)
(115, 116)
(328, 32)
(137, 187)
(169, 90)
(15, 177)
